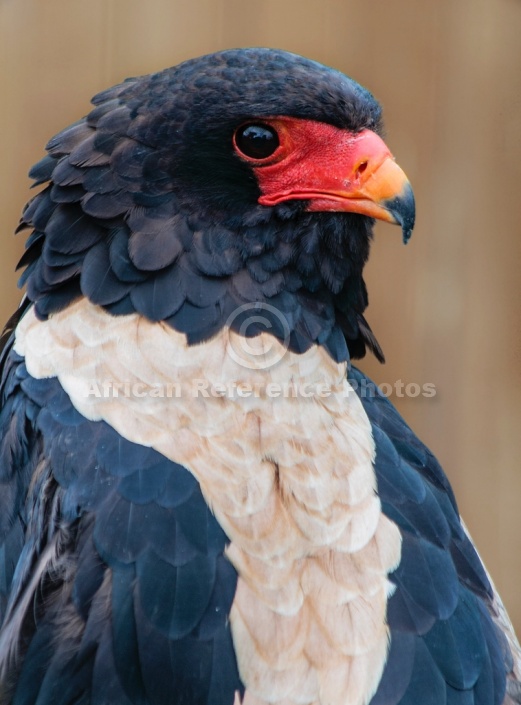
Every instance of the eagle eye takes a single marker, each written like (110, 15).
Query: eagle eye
(256, 141)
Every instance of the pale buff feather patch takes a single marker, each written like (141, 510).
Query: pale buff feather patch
(289, 477)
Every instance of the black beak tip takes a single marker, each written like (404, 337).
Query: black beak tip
(403, 210)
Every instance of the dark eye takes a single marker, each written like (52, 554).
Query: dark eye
(256, 141)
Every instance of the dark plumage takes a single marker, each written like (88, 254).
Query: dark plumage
(133, 192)
(115, 581)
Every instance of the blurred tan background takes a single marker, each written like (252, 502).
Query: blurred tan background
(445, 308)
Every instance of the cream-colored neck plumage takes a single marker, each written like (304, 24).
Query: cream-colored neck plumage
(289, 477)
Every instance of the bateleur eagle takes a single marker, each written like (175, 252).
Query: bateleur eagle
(202, 501)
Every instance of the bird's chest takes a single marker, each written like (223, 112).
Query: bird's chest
(283, 451)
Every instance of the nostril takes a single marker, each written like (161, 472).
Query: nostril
(360, 169)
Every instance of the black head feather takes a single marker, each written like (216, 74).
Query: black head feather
(148, 209)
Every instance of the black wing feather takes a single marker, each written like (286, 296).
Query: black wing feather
(133, 606)
(441, 614)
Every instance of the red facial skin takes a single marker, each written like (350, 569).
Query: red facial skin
(334, 169)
